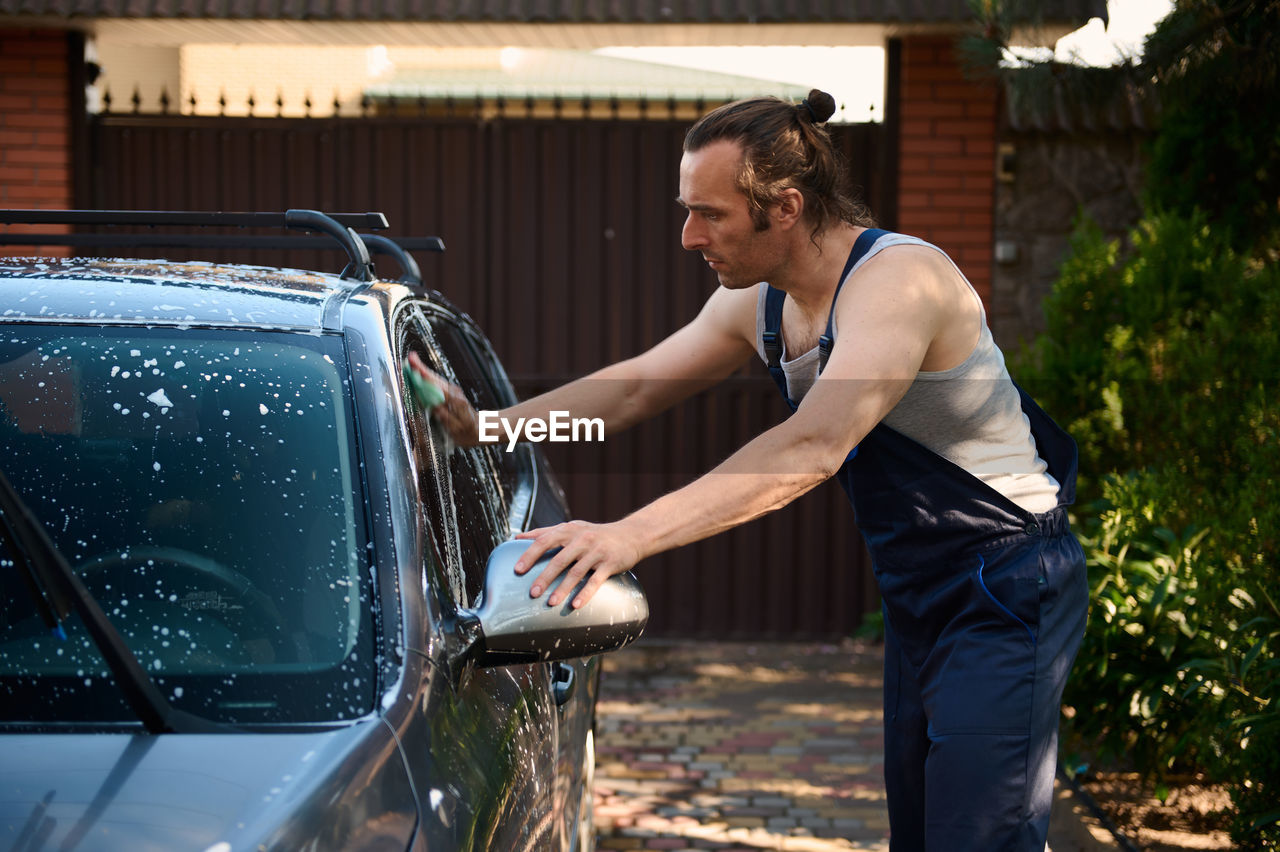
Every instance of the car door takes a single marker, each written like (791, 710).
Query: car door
(486, 765)
(527, 491)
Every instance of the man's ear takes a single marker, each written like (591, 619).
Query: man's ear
(789, 209)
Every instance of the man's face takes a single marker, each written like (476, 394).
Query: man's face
(719, 223)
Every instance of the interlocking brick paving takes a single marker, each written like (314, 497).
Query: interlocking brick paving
(744, 747)
(736, 746)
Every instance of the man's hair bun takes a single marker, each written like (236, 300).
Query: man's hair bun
(819, 106)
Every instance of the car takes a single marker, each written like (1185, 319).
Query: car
(252, 597)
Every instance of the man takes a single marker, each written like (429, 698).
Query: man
(959, 482)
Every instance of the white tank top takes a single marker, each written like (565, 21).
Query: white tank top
(970, 415)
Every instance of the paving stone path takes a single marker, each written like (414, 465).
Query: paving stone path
(742, 747)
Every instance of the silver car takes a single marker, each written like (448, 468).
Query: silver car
(250, 597)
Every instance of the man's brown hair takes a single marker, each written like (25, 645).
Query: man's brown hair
(784, 147)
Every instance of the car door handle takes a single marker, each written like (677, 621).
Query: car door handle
(566, 682)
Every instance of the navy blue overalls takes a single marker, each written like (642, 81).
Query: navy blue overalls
(984, 607)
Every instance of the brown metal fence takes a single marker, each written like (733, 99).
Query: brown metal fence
(563, 242)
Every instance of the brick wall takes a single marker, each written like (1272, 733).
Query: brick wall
(946, 189)
(35, 121)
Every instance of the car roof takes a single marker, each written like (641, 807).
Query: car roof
(161, 292)
(178, 293)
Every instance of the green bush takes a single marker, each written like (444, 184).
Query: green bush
(1160, 357)
(1216, 64)
(1127, 694)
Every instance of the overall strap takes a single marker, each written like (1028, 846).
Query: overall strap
(772, 339)
(860, 247)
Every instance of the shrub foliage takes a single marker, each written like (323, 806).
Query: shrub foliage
(1161, 358)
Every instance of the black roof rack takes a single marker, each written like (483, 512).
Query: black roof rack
(337, 227)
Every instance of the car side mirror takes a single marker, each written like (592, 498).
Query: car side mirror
(515, 628)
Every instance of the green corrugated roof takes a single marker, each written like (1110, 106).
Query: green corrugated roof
(517, 73)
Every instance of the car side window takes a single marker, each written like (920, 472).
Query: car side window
(464, 499)
(477, 370)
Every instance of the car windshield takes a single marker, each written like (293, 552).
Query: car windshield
(203, 486)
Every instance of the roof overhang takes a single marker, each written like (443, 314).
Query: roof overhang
(175, 31)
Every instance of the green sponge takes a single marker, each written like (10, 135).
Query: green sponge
(425, 393)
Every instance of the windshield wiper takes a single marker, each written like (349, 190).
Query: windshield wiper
(56, 591)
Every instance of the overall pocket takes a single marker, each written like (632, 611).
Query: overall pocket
(1009, 579)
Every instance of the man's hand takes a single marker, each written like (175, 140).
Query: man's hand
(456, 414)
(601, 550)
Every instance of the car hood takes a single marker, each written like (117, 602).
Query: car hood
(175, 791)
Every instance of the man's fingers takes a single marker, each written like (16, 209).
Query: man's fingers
(598, 578)
(447, 388)
(531, 556)
(565, 561)
(586, 551)
(542, 542)
(420, 367)
(585, 564)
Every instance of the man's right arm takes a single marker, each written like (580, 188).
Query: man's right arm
(702, 353)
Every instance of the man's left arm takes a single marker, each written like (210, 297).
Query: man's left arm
(886, 323)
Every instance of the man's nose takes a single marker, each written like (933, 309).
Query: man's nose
(692, 237)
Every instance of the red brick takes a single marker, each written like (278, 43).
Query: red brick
(50, 138)
(36, 251)
(35, 157)
(11, 138)
(9, 174)
(933, 145)
(961, 164)
(979, 276)
(962, 200)
(957, 237)
(36, 120)
(966, 237)
(918, 90)
(35, 84)
(959, 92)
(940, 72)
(55, 67)
(916, 127)
(939, 239)
(977, 218)
(981, 146)
(911, 163)
(932, 109)
(916, 230)
(975, 253)
(40, 195)
(925, 217)
(909, 200)
(926, 181)
(9, 104)
(14, 65)
(36, 43)
(981, 108)
(54, 100)
(968, 127)
(920, 51)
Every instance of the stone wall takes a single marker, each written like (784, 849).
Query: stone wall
(1044, 181)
